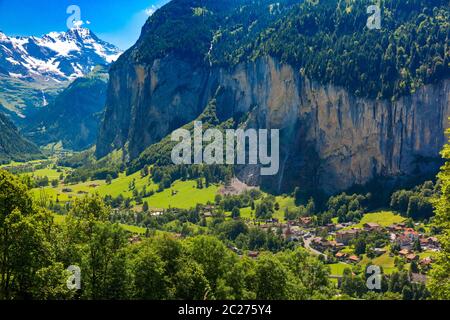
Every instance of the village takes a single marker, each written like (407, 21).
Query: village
(409, 245)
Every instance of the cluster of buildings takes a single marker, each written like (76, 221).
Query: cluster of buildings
(340, 235)
(337, 236)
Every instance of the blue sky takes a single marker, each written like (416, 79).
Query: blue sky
(115, 21)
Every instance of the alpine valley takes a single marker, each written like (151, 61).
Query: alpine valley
(54, 87)
(364, 173)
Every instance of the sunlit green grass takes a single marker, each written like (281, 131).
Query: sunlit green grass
(121, 185)
(50, 173)
(337, 269)
(385, 261)
(284, 202)
(383, 218)
(187, 196)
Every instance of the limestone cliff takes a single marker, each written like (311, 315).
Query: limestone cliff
(330, 138)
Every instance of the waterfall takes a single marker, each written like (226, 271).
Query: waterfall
(283, 165)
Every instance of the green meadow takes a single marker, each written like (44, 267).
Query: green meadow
(183, 195)
(383, 218)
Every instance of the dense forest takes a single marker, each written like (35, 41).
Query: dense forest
(328, 41)
(12, 145)
(74, 116)
(36, 250)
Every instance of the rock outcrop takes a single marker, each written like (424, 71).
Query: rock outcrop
(329, 137)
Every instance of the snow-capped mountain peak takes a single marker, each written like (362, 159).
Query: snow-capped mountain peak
(56, 56)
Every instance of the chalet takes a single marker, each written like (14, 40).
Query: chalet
(341, 255)
(412, 257)
(371, 226)
(319, 243)
(156, 212)
(411, 233)
(345, 236)
(335, 245)
(253, 254)
(425, 262)
(207, 214)
(296, 230)
(403, 252)
(429, 243)
(305, 221)
(353, 259)
(134, 239)
(396, 227)
(379, 251)
(404, 241)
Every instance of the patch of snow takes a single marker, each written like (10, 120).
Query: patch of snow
(15, 75)
(12, 61)
(78, 47)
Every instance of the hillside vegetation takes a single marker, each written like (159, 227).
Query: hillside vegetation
(12, 145)
(328, 42)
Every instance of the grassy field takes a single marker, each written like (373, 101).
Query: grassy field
(133, 229)
(337, 269)
(76, 190)
(50, 173)
(121, 185)
(385, 261)
(284, 202)
(383, 218)
(183, 195)
(427, 253)
(17, 164)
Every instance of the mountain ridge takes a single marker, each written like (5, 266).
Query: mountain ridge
(74, 115)
(12, 145)
(34, 70)
(152, 93)
(56, 56)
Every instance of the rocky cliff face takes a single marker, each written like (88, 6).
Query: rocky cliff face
(146, 102)
(329, 138)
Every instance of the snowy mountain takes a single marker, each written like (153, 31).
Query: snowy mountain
(55, 57)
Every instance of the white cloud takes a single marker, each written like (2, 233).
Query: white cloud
(151, 10)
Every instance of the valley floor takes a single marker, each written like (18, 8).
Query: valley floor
(53, 191)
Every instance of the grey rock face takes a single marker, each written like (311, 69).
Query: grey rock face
(329, 138)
